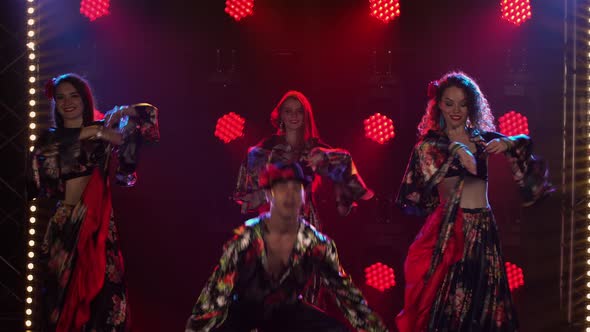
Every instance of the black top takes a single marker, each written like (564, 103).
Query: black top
(61, 155)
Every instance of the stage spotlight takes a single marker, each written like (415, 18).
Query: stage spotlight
(513, 123)
(515, 276)
(239, 9)
(229, 127)
(385, 10)
(94, 9)
(380, 276)
(379, 128)
(515, 11)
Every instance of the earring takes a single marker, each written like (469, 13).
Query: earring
(441, 122)
(282, 126)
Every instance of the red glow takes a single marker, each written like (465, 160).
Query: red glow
(94, 9)
(515, 11)
(239, 9)
(385, 10)
(380, 276)
(229, 127)
(513, 123)
(379, 128)
(515, 276)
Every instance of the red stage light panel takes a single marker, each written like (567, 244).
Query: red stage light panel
(516, 11)
(239, 9)
(384, 10)
(94, 9)
(229, 127)
(513, 123)
(515, 276)
(380, 276)
(379, 128)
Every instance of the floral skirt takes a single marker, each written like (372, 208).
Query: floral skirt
(468, 290)
(82, 269)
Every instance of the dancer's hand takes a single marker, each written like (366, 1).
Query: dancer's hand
(88, 132)
(110, 135)
(498, 145)
(467, 159)
(99, 132)
(314, 159)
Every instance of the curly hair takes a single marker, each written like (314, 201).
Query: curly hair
(311, 131)
(479, 114)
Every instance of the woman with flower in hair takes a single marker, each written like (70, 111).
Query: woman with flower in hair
(297, 140)
(82, 267)
(454, 272)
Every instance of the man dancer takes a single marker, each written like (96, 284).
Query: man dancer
(267, 264)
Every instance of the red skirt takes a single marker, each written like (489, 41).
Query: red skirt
(420, 293)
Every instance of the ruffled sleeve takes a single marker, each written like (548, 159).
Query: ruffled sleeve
(348, 297)
(338, 166)
(143, 128)
(530, 172)
(211, 308)
(248, 192)
(429, 163)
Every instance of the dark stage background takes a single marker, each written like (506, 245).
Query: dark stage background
(195, 63)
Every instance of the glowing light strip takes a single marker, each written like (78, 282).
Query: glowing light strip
(33, 77)
(588, 172)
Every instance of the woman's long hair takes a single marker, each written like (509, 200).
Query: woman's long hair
(82, 87)
(479, 115)
(311, 130)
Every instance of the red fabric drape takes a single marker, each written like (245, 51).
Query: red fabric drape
(420, 294)
(89, 271)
